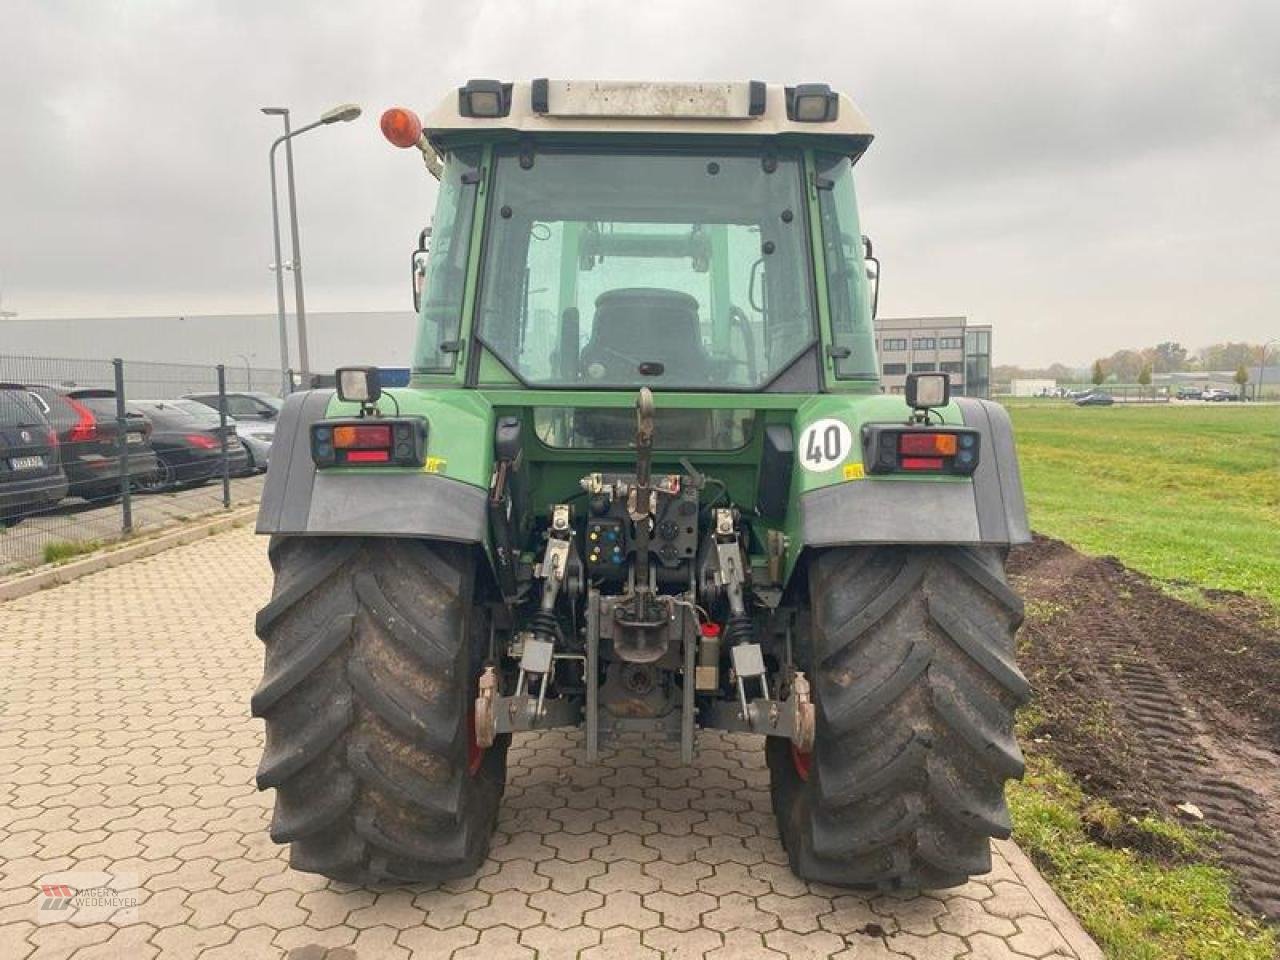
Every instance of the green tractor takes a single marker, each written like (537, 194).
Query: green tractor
(643, 481)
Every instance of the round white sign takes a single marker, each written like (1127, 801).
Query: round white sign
(825, 444)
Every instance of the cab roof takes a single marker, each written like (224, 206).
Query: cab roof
(661, 108)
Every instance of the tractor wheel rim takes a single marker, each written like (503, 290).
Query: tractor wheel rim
(802, 761)
(475, 752)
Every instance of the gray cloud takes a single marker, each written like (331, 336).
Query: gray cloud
(1086, 175)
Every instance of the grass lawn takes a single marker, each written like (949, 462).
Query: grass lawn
(1138, 907)
(1187, 493)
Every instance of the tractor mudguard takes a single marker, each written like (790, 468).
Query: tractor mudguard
(298, 499)
(989, 511)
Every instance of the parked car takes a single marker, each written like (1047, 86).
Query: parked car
(1096, 399)
(31, 475)
(258, 448)
(188, 446)
(256, 413)
(1219, 395)
(1189, 393)
(85, 419)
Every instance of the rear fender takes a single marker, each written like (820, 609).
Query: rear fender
(444, 500)
(846, 506)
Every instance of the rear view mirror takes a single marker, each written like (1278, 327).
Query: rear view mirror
(873, 273)
(420, 257)
(419, 277)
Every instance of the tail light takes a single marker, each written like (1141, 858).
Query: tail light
(202, 441)
(394, 441)
(52, 438)
(910, 449)
(85, 429)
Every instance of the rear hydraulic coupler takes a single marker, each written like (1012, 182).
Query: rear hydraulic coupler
(537, 655)
(740, 630)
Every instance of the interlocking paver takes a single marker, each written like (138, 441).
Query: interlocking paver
(496, 943)
(135, 753)
(934, 946)
(681, 944)
(681, 878)
(564, 910)
(680, 911)
(620, 943)
(623, 909)
(552, 943)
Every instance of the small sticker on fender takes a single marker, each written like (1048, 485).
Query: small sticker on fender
(825, 444)
(435, 464)
(854, 471)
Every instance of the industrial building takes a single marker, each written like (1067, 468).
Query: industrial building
(928, 344)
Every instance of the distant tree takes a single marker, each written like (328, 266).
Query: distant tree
(1227, 356)
(1241, 378)
(1144, 377)
(1169, 357)
(1125, 365)
(1099, 374)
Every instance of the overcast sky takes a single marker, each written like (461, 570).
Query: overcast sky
(1085, 175)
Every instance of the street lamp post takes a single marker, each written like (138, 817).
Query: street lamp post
(248, 372)
(344, 113)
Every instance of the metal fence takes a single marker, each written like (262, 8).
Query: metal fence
(93, 451)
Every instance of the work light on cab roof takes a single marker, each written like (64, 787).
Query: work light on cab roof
(641, 478)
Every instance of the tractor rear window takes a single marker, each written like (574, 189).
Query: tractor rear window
(623, 269)
(674, 429)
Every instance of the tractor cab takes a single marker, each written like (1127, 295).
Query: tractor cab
(684, 237)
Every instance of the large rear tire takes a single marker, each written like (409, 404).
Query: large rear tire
(373, 649)
(911, 651)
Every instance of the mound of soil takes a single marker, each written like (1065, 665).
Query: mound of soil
(1152, 702)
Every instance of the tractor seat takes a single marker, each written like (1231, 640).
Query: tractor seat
(638, 325)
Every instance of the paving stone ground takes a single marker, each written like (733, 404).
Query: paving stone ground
(126, 747)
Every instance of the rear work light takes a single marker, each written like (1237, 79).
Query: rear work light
(394, 441)
(918, 449)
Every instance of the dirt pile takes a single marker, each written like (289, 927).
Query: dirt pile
(1152, 702)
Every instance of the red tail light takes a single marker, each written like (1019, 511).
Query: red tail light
(360, 436)
(202, 440)
(927, 444)
(85, 429)
(52, 438)
(921, 463)
(395, 441)
(888, 448)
